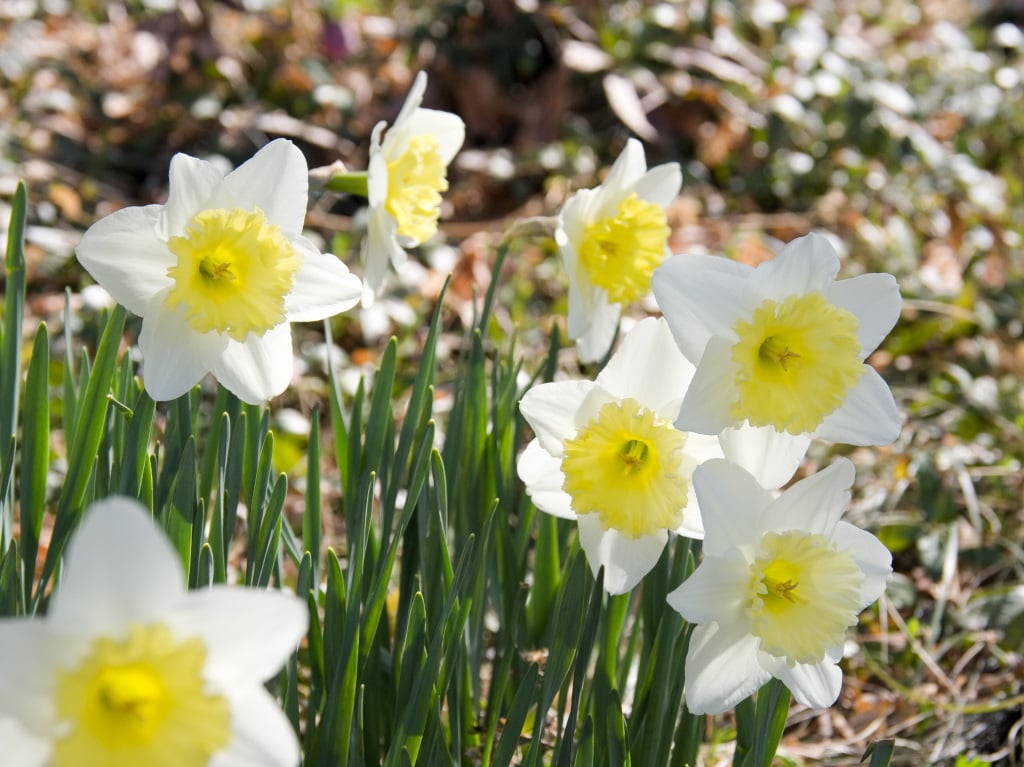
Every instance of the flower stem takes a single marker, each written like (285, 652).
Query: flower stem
(352, 182)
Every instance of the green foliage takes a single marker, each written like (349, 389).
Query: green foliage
(455, 624)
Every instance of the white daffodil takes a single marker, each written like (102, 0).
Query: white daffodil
(128, 668)
(406, 175)
(611, 239)
(219, 272)
(607, 455)
(781, 346)
(781, 581)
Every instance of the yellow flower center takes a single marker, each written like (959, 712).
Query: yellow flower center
(797, 360)
(140, 700)
(804, 595)
(234, 270)
(625, 465)
(415, 182)
(621, 253)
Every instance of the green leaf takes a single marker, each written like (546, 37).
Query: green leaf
(616, 734)
(35, 457)
(268, 547)
(89, 430)
(880, 752)
(136, 445)
(770, 721)
(10, 600)
(312, 523)
(411, 658)
(513, 729)
(433, 681)
(563, 753)
(546, 580)
(14, 312)
(179, 516)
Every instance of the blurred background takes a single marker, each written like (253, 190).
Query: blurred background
(895, 126)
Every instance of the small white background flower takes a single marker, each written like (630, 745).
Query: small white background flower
(406, 174)
(219, 272)
(122, 580)
(633, 244)
(781, 346)
(648, 371)
(781, 580)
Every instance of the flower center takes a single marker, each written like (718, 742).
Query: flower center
(621, 253)
(140, 700)
(797, 360)
(625, 465)
(234, 270)
(804, 595)
(415, 182)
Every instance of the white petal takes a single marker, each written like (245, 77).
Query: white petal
(871, 555)
(123, 254)
(732, 506)
(707, 405)
(30, 651)
(21, 747)
(583, 295)
(573, 219)
(648, 367)
(814, 685)
(721, 669)
(702, 447)
(601, 322)
(660, 184)
(592, 403)
(602, 202)
(625, 560)
(120, 570)
(275, 180)
(447, 128)
(772, 457)
(542, 474)
(248, 633)
(323, 286)
(262, 736)
(874, 299)
(627, 169)
(380, 248)
(868, 415)
(814, 504)
(377, 171)
(693, 523)
(190, 186)
(551, 409)
(715, 592)
(413, 99)
(701, 296)
(259, 368)
(697, 449)
(807, 263)
(174, 356)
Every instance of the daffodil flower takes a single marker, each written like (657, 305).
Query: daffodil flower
(219, 272)
(406, 174)
(611, 239)
(128, 668)
(781, 580)
(607, 455)
(781, 346)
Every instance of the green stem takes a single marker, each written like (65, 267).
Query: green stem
(352, 182)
